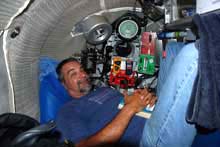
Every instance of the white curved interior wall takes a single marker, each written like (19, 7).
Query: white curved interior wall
(45, 31)
(8, 10)
(4, 86)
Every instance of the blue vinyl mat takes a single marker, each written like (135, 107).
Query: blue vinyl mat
(209, 140)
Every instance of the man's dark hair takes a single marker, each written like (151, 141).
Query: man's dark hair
(60, 65)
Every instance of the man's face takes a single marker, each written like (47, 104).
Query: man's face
(76, 80)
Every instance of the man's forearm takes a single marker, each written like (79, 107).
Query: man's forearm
(112, 132)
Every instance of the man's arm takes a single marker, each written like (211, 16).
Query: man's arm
(115, 129)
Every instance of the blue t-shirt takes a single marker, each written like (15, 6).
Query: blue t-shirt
(83, 117)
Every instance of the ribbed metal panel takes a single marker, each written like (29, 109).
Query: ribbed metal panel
(119, 3)
(8, 8)
(60, 48)
(4, 87)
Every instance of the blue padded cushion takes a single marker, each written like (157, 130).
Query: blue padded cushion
(52, 94)
(208, 140)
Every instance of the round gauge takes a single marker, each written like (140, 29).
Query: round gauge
(128, 29)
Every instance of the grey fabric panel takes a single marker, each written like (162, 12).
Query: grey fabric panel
(45, 30)
(8, 8)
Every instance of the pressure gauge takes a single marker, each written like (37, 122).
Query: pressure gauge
(128, 28)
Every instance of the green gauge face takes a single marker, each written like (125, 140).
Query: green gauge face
(128, 29)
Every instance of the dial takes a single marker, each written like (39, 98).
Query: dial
(128, 29)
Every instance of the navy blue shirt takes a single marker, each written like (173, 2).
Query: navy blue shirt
(83, 117)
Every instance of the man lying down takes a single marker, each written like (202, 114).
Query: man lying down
(92, 117)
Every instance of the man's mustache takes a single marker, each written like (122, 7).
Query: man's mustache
(87, 79)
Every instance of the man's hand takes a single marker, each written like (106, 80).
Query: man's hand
(139, 99)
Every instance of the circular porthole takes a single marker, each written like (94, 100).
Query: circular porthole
(123, 49)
